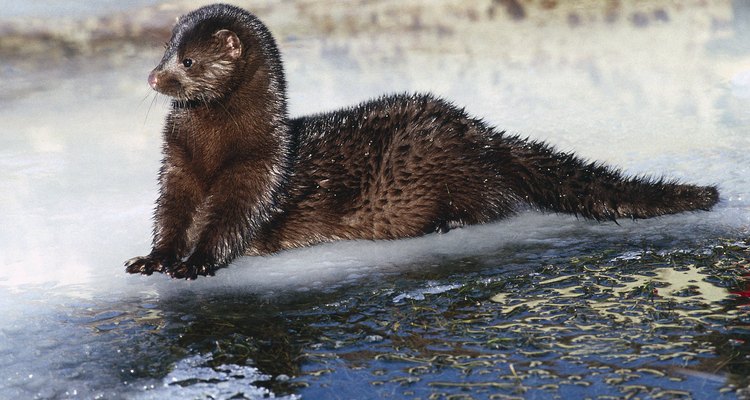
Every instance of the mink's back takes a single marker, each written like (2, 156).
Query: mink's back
(397, 166)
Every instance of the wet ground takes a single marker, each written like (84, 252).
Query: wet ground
(536, 306)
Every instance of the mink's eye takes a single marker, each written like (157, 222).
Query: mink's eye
(188, 62)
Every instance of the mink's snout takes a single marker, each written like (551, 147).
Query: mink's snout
(152, 80)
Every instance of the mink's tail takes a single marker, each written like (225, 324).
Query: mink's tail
(562, 182)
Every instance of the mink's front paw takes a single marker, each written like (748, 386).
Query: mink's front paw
(190, 271)
(146, 265)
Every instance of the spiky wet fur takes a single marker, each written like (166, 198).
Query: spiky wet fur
(240, 177)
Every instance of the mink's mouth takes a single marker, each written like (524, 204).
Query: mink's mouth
(188, 104)
(165, 84)
(176, 96)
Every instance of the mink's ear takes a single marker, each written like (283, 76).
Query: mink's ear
(230, 41)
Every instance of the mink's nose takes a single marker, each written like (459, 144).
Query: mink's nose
(152, 81)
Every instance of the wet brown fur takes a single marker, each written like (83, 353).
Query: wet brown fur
(240, 177)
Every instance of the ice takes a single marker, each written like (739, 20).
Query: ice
(430, 288)
(192, 379)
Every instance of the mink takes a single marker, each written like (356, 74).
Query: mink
(240, 177)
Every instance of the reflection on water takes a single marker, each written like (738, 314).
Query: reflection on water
(623, 324)
(578, 328)
(531, 307)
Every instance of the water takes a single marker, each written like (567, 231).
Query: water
(534, 306)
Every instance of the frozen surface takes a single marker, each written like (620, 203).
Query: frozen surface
(79, 158)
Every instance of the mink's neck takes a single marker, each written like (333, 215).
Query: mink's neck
(251, 123)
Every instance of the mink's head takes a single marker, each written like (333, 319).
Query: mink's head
(213, 50)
